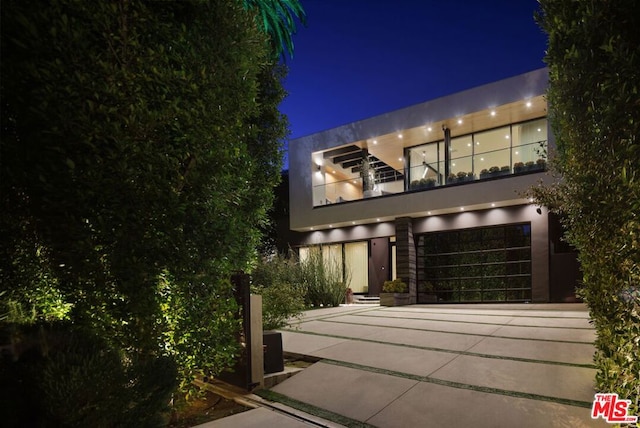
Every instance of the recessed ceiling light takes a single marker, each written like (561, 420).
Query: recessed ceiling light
(493, 205)
(528, 103)
(468, 144)
(311, 228)
(459, 121)
(399, 135)
(516, 152)
(539, 129)
(429, 129)
(429, 212)
(400, 159)
(477, 143)
(330, 225)
(353, 222)
(493, 112)
(506, 136)
(375, 141)
(377, 219)
(481, 159)
(333, 171)
(461, 208)
(453, 164)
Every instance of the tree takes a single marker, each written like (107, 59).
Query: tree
(594, 65)
(140, 145)
(276, 18)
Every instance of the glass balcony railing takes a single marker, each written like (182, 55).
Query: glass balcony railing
(507, 161)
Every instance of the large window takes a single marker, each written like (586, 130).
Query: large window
(370, 168)
(426, 165)
(490, 264)
(351, 257)
(511, 149)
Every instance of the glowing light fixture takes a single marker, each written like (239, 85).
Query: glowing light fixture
(493, 112)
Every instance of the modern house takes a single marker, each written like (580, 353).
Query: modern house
(435, 194)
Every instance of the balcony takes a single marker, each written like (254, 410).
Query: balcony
(428, 170)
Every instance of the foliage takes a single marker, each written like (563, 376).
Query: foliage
(277, 279)
(594, 66)
(276, 18)
(395, 286)
(140, 145)
(63, 376)
(324, 279)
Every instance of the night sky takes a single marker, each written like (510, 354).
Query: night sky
(359, 58)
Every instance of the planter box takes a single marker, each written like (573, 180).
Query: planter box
(273, 355)
(394, 299)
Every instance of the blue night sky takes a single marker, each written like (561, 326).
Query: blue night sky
(360, 58)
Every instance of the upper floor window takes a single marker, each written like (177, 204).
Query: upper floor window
(369, 168)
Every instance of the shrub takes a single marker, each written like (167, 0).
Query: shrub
(72, 378)
(323, 279)
(593, 79)
(395, 286)
(277, 279)
(280, 303)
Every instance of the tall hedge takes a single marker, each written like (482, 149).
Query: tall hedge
(594, 99)
(140, 145)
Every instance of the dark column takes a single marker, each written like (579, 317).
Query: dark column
(406, 256)
(447, 152)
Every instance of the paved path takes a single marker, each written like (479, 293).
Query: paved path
(527, 365)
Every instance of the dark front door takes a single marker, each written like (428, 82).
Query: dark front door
(378, 264)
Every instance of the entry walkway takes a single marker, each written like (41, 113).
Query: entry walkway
(527, 365)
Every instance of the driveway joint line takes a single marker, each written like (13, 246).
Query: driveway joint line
(482, 314)
(477, 322)
(458, 332)
(450, 351)
(459, 385)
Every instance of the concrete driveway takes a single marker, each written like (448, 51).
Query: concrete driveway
(526, 365)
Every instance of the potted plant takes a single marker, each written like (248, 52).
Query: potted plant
(394, 293)
(518, 167)
(530, 166)
(428, 182)
(484, 173)
(505, 170)
(415, 184)
(451, 178)
(462, 176)
(541, 163)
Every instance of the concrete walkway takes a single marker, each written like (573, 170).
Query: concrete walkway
(527, 365)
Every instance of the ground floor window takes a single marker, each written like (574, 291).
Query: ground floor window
(353, 259)
(489, 264)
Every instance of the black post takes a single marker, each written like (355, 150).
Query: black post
(241, 374)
